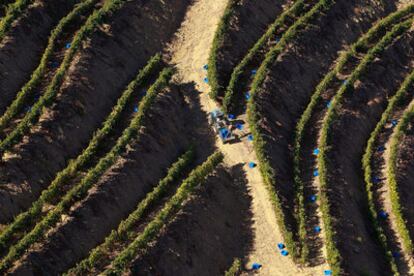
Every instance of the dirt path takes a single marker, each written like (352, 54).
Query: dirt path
(189, 51)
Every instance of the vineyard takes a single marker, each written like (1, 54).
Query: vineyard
(200, 137)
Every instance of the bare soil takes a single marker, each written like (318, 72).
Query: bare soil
(22, 48)
(360, 111)
(212, 229)
(98, 75)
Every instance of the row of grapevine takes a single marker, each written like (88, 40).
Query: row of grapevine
(99, 16)
(3, 7)
(391, 171)
(234, 269)
(316, 106)
(236, 84)
(235, 37)
(165, 215)
(334, 257)
(266, 170)
(395, 104)
(217, 42)
(80, 190)
(13, 12)
(125, 231)
(56, 189)
(42, 70)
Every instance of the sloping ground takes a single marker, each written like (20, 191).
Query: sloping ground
(212, 229)
(21, 49)
(120, 189)
(246, 24)
(358, 114)
(106, 64)
(233, 215)
(291, 79)
(405, 177)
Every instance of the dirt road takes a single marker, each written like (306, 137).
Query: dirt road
(190, 51)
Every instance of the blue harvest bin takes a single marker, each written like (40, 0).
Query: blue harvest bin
(317, 229)
(316, 151)
(68, 45)
(224, 133)
(284, 252)
(250, 137)
(247, 95)
(394, 123)
(312, 198)
(205, 67)
(136, 109)
(383, 214)
(396, 254)
(206, 80)
(231, 116)
(256, 266)
(327, 272)
(280, 246)
(315, 173)
(376, 180)
(252, 165)
(329, 104)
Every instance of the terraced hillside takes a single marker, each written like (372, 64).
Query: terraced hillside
(198, 137)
